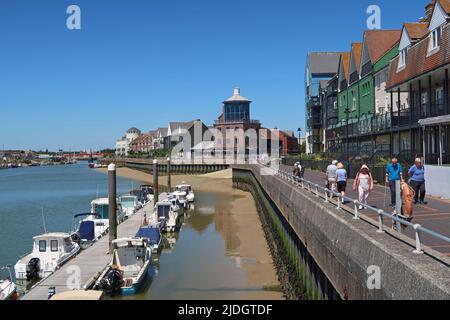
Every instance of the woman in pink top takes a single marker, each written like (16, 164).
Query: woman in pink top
(364, 184)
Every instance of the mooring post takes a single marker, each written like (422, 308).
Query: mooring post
(112, 206)
(169, 185)
(155, 181)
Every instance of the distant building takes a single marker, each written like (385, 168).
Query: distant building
(182, 137)
(234, 121)
(123, 144)
(288, 143)
(320, 67)
(142, 144)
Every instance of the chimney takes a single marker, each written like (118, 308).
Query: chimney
(236, 91)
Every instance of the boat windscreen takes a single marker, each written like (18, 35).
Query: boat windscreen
(102, 211)
(163, 211)
(127, 202)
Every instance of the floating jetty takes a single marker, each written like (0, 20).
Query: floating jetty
(82, 271)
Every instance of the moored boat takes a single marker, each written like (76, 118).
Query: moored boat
(152, 235)
(129, 267)
(8, 289)
(50, 251)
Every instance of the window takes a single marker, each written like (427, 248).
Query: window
(402, 58)
(54, 245)
(42, 245)
(439, 95)
(435, 39)
(228, 135)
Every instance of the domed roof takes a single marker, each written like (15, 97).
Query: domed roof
(237, 96)
(133, 130)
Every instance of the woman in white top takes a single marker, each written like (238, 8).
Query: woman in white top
(364, 184)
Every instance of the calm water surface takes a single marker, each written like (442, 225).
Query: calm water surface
(62, 192)
(200, 262)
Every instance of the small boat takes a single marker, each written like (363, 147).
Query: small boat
(141, 197)
(89, 230)
(190, 197)
(164, 212)
(130, 204)
(176, 204)
(8, 289)
(50, 251)
(148, 191)
(152, 235)
(129, 266)
(100, 207)
(181, 196)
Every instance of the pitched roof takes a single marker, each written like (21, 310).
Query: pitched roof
(381, 41)
(323, 62)
(416, 30)
(357, 50)
(345, 58)
(445, 4)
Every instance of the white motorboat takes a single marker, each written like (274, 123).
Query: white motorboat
(164, 212)
(8, 289)
(181, 197)
(184, 187)
(100, 207)
(90, 229)
(50, 251)
(129, 266)
(176, 204)
(130, 204)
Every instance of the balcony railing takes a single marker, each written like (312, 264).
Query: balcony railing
(435, 109)
(315, 122)
(246, 121)
(381, 122)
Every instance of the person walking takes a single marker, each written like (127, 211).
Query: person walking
(417, 175)
(341, 178)
(364, 184)
(394, 172)
(330, 176)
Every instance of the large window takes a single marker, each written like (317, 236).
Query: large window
(236, 112)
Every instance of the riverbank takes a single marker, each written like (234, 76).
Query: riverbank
(237, 221)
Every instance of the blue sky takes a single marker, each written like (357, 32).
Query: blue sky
(144, 63)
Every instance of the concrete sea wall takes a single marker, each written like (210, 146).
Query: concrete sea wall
(332, 255)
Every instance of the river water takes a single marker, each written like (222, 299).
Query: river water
(202, 261)
(59, 192)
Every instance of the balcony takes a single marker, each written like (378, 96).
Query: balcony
(315, 122)
(381, 122)
(314, 102)
(434, 109)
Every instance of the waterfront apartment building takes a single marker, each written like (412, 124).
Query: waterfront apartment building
(421, 71)
(123, 144)
(390, 94)
(320, 67)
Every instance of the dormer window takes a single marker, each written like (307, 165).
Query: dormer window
(402, 58)
(435, 38)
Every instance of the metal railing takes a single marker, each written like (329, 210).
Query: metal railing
(326, 194)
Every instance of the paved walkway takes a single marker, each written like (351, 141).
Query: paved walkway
(434, 216)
